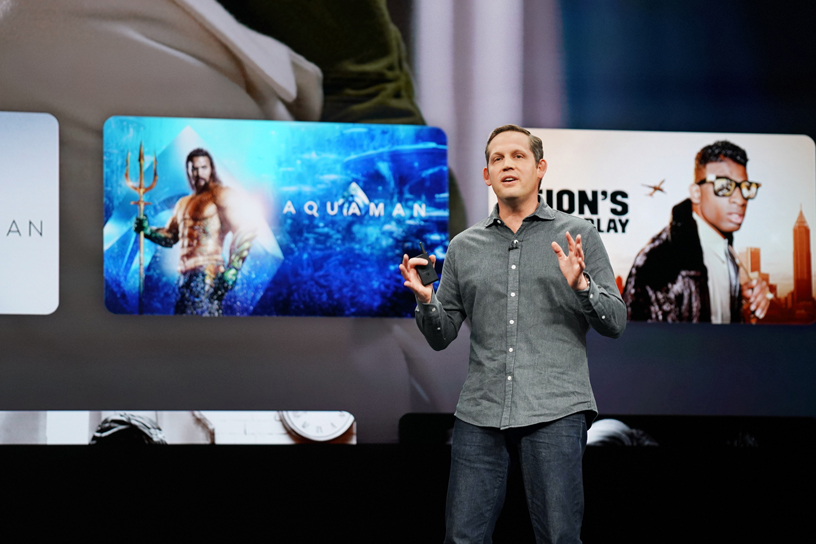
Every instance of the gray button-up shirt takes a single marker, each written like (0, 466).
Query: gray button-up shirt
(528, 361)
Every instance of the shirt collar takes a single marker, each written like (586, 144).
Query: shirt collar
(711, 239)
(542, 213)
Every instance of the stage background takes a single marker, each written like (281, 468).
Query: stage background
(723, 66)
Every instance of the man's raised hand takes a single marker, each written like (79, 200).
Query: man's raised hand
(572, 266)
(412, 280)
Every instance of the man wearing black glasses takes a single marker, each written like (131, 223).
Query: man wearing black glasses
(689, 272)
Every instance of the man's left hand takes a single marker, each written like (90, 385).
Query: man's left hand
(572, 266)
(758, 296)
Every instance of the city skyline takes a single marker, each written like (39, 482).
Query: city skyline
(802, 272)
(801, 288)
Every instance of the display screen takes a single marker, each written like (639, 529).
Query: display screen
(311, 219)
(163, 427)
(260, 86)
(676, 240)
(29, 213)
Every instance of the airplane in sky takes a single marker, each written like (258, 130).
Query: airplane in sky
(655, 188)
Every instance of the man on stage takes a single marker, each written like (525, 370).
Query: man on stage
(530, 304)
(201, 221)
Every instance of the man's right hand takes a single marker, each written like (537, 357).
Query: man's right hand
(412, 281)
(140, 224)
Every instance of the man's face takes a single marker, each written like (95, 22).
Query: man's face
(512, 170)
(200, 172)
(724, 213)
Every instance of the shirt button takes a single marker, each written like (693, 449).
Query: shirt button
(439, 328)
(603, 317)
(511, 321)
(433, 309)
(512, 294)
(515, 241)
(511, 350)
(513, 267)
(590, 296)
(509, 378)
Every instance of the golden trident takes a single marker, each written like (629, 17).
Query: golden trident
(141, 190)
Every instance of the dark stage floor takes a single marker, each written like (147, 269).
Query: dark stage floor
(393, 493)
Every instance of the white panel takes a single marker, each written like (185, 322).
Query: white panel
(66, 427)
(29, 213)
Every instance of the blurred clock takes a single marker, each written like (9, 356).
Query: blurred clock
(317, 426)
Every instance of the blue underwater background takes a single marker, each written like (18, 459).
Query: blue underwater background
(343, 202)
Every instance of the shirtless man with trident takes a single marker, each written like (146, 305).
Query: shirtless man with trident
(201, 221)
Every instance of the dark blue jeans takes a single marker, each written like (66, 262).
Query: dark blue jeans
(549, 455)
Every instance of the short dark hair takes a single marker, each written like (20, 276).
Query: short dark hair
(716, 152)
(200, 152)
(536, 146)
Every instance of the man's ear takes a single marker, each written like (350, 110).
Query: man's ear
(486, 176)
(542, 168)
(695, 193)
